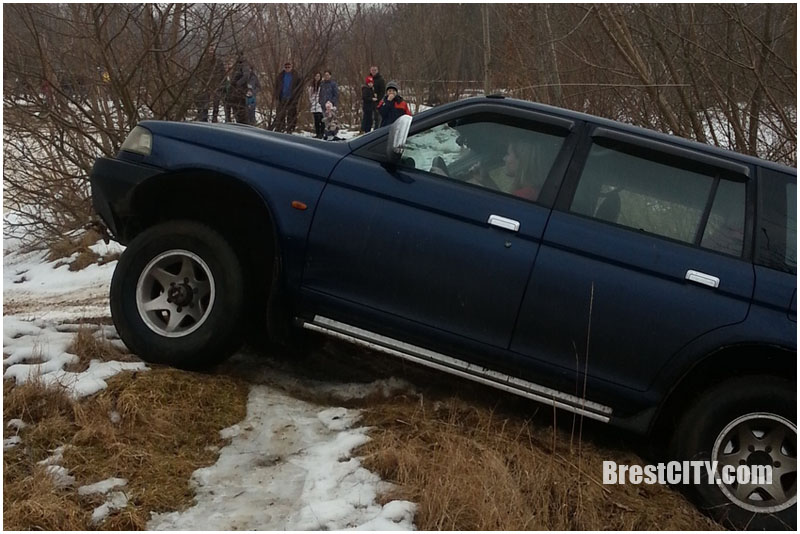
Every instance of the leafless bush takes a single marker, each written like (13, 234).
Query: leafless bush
(79, 77)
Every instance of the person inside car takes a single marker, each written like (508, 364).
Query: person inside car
(520, 164)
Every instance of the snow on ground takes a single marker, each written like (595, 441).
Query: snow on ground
(289, 464)
(289, 467)
(38, 296)
(36, 288)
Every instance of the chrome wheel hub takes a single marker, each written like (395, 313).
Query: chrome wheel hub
(175, 293)
(760, 439)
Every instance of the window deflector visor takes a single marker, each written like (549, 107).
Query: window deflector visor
(730, 169)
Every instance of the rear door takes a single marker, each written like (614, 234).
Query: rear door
(440, 240)
(644, 253)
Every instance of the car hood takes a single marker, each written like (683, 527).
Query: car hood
(173, 141)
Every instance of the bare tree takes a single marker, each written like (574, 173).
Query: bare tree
(82, 77)
(79, 77)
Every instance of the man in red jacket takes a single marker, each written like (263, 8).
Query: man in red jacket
(392, 106)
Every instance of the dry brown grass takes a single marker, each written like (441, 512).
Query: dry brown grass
(489, 463)
(66, 247)
(168, 420)
(88, 345)
(494, 461)
(472, 467)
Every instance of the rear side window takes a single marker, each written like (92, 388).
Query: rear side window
(724, 231)
(776, 233)
(672, 201)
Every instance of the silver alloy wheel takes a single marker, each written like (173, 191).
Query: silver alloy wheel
(175, 293)
(760, 439)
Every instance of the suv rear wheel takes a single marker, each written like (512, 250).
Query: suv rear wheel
(177, 295)
(747, 421)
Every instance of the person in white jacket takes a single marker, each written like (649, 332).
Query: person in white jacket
(316, 109)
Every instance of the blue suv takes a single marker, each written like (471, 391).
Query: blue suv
(631, 277)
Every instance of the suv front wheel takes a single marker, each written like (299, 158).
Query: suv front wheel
(177, 295)
(744, 422)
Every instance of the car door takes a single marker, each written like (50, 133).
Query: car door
(644, 252)
(436, 240)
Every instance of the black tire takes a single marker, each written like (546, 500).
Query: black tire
(211, 302)
(734, 412)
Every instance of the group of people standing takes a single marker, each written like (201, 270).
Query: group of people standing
(236, 85)
(323, 96)
(381, 103)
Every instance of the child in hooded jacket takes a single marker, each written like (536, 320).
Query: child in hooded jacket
(392, 106)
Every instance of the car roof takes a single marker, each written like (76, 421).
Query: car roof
(635, 130)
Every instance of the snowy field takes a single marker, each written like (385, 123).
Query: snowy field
(289, 464)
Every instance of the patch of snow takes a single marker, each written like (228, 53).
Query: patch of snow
(10, 443)
(60, 475)
(230, 432)
(56, 458)
(117, 501)
(289, 466)
(80, 384)
(338, 418)
(103, 249)
(37, 351)
(16, 425)
(114, 417)
(34, 288)
(102, 487)
(393, 516)
(31, 272)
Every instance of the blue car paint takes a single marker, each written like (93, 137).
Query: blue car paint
(273, 170)
(447, 268)
(628, 272)
(393, 251)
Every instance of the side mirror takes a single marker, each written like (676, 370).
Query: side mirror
(398, 134)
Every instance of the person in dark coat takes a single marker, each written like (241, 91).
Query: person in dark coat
(328, 91)
(380, 90)
(392, 106)
(229, 104)
(211, 87)
(217, 86)
(288, 88)
(244, 79)
(368, 102)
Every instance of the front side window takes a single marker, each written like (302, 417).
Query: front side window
(494, 155)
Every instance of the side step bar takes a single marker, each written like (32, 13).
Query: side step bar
(458, 367)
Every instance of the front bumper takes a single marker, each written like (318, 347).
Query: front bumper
(113, 182)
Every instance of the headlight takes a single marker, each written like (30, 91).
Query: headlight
(139, 141)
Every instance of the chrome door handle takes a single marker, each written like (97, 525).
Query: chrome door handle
(702, 278)
(504, 223)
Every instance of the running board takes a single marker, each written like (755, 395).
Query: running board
(458, 367)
